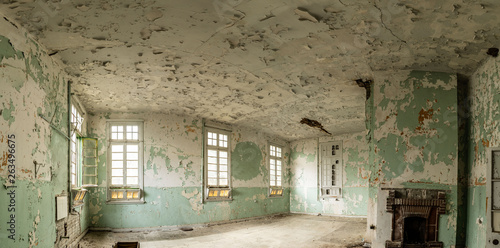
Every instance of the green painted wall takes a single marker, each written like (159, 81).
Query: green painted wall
(304, 194)
(173, 176)
(415, 143)
(484, 132)
(31, 83)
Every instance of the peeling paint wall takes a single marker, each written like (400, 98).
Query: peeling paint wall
(415, 143)
(484, 132)
(173, 176)
(304, 191)
(32, 83)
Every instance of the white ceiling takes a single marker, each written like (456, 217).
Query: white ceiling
(263, 64)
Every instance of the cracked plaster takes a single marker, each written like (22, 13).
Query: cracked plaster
(264, 64)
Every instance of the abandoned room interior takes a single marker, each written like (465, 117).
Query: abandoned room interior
(141, 116)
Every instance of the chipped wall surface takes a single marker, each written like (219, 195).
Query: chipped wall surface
(173, 176)
(415, 143)
(304, 194)
(484, 132)
(32, 83)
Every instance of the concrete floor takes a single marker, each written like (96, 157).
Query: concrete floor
(291, 230)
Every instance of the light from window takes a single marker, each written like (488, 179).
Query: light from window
(217, 159)
(275, 162)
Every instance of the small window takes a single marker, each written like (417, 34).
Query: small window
(217, 161)
(331, 168)
(275, 170)
(125, 158)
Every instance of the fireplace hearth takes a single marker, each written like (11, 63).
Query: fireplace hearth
(415, 217)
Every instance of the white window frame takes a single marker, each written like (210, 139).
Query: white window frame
(276, 155)
(130, 193)
(217, 192)
(330, 162)
(76, 125)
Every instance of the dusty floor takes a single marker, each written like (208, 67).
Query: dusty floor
(280, 231)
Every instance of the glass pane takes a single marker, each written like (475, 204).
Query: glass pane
(117, 180)
(212, 167)
(120, 136)
(117, 164)
(223, 174)
(132, 180)
(132, 156)
(117, 156)
(223, 168)
(129, 128)
(132, 164)
(273, 183)
(212, 160)
(120, 129)
(210, 135)
(114, 136)
(496, 221)
(278, 183)
(495, 194)
(272, 162)
(116, 172)
(114, 129)
(132, 172)
(278, 162)
(212, 181)
(212, 174)
(132, 148)
(223, 182)
(212, 153)
(223, 154)
(135, 136)
(223, 161)
(495, 162)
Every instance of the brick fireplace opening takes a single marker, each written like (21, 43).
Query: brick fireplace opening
(415, 217)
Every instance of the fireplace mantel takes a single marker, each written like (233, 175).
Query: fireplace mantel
(415, 217)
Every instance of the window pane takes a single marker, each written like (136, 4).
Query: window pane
(223, 182)
(278, 183)
(117, 156)
(132, 148)
(212, 181)
(223, 161)
(129, 136)
(117, 164)
(114, 136)
(120, 136)
(212, 167)
(132, 156)
(132, 173)
(212, 153)
(223, 154)
(132, 180)
(117, 180)
(273, 183)
(278, 162)
(212, 160)
(120, 129)
(114, 129)
(132, 164)
(212, 174)
(135, 136)
(116, 148)
(223, 168)
(129, 129)
(223, 175)
(116, 172)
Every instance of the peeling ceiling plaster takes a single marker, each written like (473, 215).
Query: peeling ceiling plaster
(264, 64)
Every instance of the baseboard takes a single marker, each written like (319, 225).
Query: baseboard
(332, 215)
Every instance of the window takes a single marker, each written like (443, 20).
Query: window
(330, 165)
(76, 133)
(493, 193)
(125, 155)
(217, 172)
(275, 170)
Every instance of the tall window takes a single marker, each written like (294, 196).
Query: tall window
(125, 155)
(217, 157)
(76, 132)
(275, 168)
(331, 168)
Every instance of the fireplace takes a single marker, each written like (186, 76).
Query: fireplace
(415, 217)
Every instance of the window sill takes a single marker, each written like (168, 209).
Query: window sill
(218, 200)
(117, 202)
